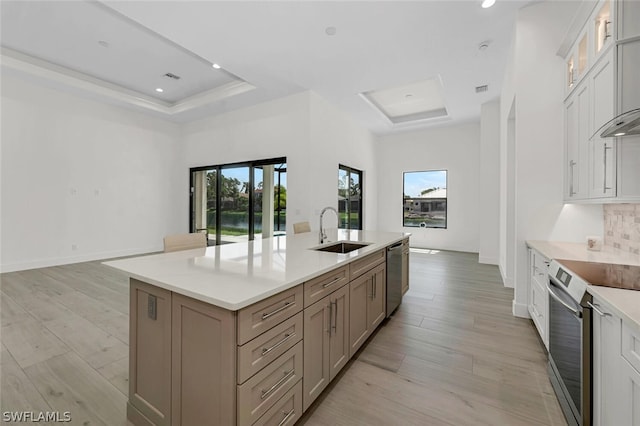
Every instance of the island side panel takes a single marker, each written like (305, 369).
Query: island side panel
(149, 354)
(203, 363)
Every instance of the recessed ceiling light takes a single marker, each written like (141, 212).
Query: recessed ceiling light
(159, 90)
(620, 134)
(103, 43)
(488, 3)
(330, 31)
(216, 66)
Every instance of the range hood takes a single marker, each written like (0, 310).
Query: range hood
(623, 125)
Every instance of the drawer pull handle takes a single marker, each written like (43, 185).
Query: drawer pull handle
(267, 392)
(335, 280)
(286, 416)
(286, 337)
(280, 309)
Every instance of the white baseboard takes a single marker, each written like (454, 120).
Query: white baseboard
(506, 281)
(520, 310)
(488, 260)
(44, 263)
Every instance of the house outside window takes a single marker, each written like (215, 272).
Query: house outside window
(425, 199)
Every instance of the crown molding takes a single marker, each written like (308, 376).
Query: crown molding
(67, 77)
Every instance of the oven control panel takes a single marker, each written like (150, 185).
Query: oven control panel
(563, 277)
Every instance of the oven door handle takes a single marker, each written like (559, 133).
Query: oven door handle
(573, 310)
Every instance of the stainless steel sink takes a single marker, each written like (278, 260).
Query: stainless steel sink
(341, 247)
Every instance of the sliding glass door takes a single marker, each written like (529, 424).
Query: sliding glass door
(239, 202)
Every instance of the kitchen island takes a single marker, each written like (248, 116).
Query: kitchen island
(249, 333)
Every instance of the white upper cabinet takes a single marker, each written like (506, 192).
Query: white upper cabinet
(577, 133)
(602, 27)
(602, 82)
(602, 89)
(628, 19)
(628, 72)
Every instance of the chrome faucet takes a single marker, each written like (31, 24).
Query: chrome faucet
(323, 236)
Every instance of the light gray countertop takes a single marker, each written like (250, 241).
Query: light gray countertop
(234, 276)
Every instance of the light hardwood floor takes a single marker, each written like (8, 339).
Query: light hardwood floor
(451, 355)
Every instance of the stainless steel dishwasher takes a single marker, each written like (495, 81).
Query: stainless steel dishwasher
(394, 277)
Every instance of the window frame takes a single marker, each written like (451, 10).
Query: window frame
(360, 173)
(446, 205)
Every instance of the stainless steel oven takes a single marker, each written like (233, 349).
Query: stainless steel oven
(570, 343)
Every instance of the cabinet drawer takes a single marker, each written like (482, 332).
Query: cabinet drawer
(259, 317)
(256, 354)
(285, 412)
(538, 308)
(264, 389)
(361, 266)
(540, 268)
(631, 346)
(317, 288)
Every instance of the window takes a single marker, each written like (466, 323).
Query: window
(349, 197)
(424, 203)
(239, 202)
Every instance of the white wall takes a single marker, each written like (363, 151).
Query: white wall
(80, 173)
(455, 149)
(489, 213)
(337, 139)
(536, 85)
(312, 134)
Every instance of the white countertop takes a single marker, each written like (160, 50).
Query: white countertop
(578, 251)
(626, 303)
(233, 276)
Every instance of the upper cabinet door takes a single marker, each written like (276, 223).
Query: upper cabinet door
(603, 27)
(628, 81)
(628, 19)
(602, 92)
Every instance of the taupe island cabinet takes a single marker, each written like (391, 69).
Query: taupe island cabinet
(251, 333)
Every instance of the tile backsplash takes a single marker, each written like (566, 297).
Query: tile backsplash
(622, 227)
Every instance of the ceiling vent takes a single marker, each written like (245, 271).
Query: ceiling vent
(172, 76)
(482, 89)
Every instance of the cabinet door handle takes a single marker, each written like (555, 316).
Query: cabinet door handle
(266, 393)
(604, 183)
(286, 416)
(372, 286)
(335, 280)
(571, 191)
(280, 309)
(375, 286)
(597, 310)
(330, 306)
(286, 337)
(334, 311)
